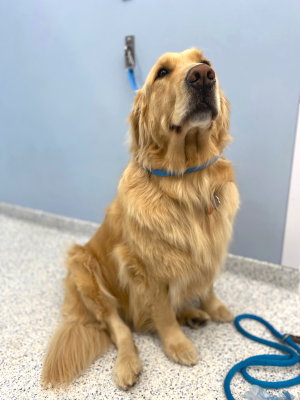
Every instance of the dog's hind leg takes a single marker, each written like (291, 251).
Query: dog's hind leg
(192, 317)
(103, 306)
(91, 316)
(214, 307)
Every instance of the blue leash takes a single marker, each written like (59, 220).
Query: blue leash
(266, 360)
(131, 77)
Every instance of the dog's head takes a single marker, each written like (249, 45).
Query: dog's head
(180, 116)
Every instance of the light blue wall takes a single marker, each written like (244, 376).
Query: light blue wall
(64, 99)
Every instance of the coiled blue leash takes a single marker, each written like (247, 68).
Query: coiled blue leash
(265, 360)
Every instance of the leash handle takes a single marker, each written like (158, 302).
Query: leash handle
(291, 359)
(295, 339)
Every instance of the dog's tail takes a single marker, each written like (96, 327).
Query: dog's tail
(81, 337)
(73, 348)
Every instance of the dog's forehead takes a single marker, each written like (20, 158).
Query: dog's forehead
(187, 56)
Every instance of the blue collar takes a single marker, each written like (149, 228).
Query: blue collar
(163, 172)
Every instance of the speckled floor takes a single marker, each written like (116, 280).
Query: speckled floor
(31, 272)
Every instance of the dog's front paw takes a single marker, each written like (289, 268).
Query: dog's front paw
(182, 352)
(221, 314)
(127, 370)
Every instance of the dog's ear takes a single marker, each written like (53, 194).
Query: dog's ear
(223, 123)
(225, 112)
(138, 122)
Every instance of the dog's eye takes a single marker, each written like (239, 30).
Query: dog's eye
(162, 72)
(205, 62)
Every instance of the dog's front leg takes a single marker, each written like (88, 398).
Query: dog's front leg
(176, 345)
(214, 307)
(128, 365)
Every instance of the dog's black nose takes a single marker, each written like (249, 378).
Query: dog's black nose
(201, 75)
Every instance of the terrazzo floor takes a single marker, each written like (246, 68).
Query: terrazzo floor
(31, 272)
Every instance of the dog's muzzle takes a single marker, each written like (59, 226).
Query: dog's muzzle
(201, 77)
(201, 83)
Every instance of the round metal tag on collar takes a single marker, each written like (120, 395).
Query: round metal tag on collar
(214, 206)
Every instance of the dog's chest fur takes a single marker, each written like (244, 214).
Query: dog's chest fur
(168, 226)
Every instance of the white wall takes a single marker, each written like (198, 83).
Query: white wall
(291, 247)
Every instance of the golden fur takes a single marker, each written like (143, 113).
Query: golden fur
(158, 247)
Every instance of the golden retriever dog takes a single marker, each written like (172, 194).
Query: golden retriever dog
(164, 238)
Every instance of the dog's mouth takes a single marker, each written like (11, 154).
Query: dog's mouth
(198, 114)
(203, 106)
(201, 112)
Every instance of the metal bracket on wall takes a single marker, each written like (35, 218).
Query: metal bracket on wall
(129, 53)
